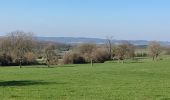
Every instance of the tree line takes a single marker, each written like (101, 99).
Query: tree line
(22, 48)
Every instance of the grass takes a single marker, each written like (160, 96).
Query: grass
(146, 80)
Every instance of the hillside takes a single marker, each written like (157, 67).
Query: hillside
(76, 40)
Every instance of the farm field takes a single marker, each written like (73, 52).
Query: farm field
(144, 80)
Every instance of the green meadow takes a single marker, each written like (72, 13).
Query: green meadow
(139, 80)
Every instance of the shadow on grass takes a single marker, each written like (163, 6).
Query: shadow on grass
(57, 66)
(27, 83)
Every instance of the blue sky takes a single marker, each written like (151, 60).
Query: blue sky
(122, 19)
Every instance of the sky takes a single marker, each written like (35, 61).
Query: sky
(122, 19)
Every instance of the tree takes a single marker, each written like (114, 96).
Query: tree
(87, 50)
(124, 50)
(100, 55)
(73, 58)
(109, 46)
(17, 44)
(130, 50)
(50, 55)
(120, 52)
(155, 49)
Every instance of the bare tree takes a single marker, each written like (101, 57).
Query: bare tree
(155, 49)
(100, 55)
(109, 46)
(130, 50)
(73, 58)
(124, 50)
(50, 55)
(5, 46)
(17, 44)
(120, 52)
(87, 51)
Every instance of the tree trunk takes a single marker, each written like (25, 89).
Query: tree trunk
(20, 64)
(153, 58)
(91, 62)
(48, 63)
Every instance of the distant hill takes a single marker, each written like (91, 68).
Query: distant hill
(77, 40)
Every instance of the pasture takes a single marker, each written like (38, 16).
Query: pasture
(143, 80)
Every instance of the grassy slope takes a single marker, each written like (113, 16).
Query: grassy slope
(109, 81)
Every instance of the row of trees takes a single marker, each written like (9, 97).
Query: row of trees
(18, 48)
(86, 53)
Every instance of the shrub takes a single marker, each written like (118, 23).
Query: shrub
(73, 58)
(86, 50)
(5, 60)
(100, 55)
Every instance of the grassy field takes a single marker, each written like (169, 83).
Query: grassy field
(145, 80)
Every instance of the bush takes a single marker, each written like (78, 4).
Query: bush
(5, 60)
(100, 55)
(73, 58)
